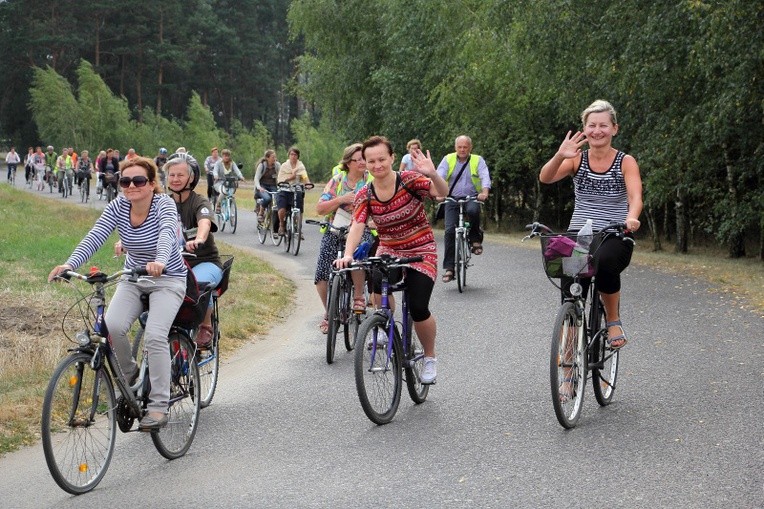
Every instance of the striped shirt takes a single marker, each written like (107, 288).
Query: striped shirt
(402, 222)
(154, 240)
(600, 197)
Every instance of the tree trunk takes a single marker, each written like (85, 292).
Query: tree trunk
(682, 227)
(160, 74)
(666, 229)
(736, 241)
(653, 229)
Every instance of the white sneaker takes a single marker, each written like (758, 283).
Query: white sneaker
(430, 371)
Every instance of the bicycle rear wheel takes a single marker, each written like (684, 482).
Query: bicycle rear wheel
(173, 440)
(460, 263)
(605, 373)
(413, 365)
(209, 364)
(567, 365)
(275, 237)
(377, 379)
(78, 424)
(336, 289)
(264, 229)
(296, 232)
(233, 215)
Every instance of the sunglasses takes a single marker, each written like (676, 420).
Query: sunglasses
(138, 181)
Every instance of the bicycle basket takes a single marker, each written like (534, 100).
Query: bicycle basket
(227, 263)
(564, 257)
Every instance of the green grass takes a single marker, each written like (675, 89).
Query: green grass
(37, 234)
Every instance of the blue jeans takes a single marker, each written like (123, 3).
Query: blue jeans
(265, 197)
(207, 272)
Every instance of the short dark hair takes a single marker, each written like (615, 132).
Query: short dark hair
(295, 150)
(377, 140)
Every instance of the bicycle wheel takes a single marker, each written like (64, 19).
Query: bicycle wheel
(78, 424)
(64, 187)
(567, 365)
(275, 237)
(264, 229)
(296, 232)
(413, 365)
(351, 331)
(459, 261)
(209, 363)
(173, 440)
(336, 288)
(109, 193)
(233, 215)
(377, 379)
(287, 238)
(605, 373)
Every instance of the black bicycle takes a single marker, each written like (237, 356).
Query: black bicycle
(81, 413)
(580, 343)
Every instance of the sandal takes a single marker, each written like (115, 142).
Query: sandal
(324, 326)
(448, 276)
(477, 248)
(359, 304)
(619, 341)
(570, 393)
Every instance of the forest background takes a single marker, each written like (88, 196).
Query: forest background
(684, 75)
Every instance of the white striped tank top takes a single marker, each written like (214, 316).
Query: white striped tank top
(600, 197)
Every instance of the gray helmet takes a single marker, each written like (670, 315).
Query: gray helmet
(190, 160)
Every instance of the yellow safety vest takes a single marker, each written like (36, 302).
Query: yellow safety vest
(474, 160)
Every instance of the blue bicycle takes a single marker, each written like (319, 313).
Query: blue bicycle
(383, 353)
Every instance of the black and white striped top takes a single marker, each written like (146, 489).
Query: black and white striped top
(600, 197)
(156, 239)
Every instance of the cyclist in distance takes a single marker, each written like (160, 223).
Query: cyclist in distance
(12, 160)
(108, 168)
(159, 160)
(147, 222)
(84, 169)
(336, 203)
(467, 175)
(223, 168)
(266, 171)
(209, 169)
(291, 172)
(394, 201)
(196, 212)
(607, 188)
(411, 147)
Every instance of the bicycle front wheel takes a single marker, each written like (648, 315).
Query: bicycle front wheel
(413, 366)
(296, 232)
(606, 361)
(78, 424)
(173, 440)
(209, 363)
(333, 313)
(567, 365)
(460, 263)
(233, 215)
(83, 198)
(264, 228)
(377, 376)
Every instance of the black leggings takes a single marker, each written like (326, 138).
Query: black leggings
(611, 257)
(418, 291)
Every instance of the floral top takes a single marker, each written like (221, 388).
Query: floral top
(402, 221)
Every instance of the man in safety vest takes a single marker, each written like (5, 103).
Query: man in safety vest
(467, 175)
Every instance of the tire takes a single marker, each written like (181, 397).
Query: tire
(275, 225)
(78, 448)
(413, 365)
(221, 215)
(208, 362)
(173, 440)
(287, 238)
(351, 331)
(604, 376)
(264, 229)
(333, 313)
(233, 216)
(567, 363)
(109, 193)
(378, 382)
(65, 187)
(460, 262)
(296, 232)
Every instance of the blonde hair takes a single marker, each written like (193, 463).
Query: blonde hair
(599, 106)
(414, 142)
(347, 154)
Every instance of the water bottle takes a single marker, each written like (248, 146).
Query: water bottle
(585, 234)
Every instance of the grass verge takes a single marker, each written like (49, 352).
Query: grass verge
(37, 234)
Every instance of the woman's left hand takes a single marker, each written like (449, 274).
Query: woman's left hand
(154, 268)
(423, 164)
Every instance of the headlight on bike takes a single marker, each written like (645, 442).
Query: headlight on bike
(82, 338)
(576, 289)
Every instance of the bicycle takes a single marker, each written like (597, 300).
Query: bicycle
(462, 251)
(228, 211)
(580, 336)
(339, 302)
(84, 186)
(80, 412)
(51, 178)
(65, 183)
(268, 227)
(12, 179)
(293, 226)
(379, 369)
(110, 185)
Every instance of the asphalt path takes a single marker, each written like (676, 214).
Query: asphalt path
(286, 430)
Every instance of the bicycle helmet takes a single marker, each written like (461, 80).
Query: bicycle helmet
(163, 151)
(188, 159)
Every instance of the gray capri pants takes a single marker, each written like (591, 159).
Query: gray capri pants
(165, 297)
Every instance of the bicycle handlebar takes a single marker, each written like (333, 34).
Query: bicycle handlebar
(387, 261)
(617, 227)
(466, 199)
(101, 277)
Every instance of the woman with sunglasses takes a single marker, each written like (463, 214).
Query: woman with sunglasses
(147, 222)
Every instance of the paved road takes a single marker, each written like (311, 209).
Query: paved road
(286, 429)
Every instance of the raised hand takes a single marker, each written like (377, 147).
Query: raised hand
(571, 145)
(423, 164)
